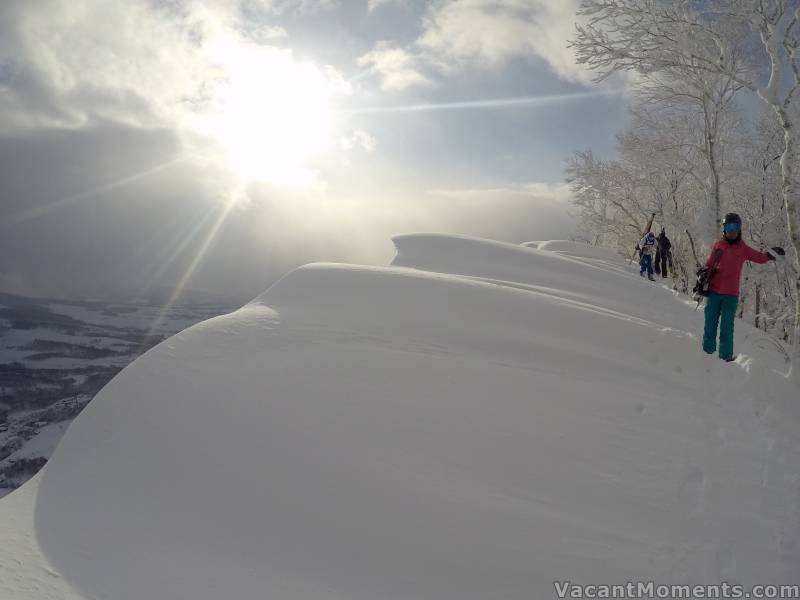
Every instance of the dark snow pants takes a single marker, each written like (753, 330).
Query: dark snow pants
(661, 263)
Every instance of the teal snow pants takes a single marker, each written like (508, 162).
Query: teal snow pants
(719, 305)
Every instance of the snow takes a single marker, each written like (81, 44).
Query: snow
(65, 363)
(145, 317)
(24, 337)
(474, 421)
(16, 348)
(42, 444)
(79, 380)
(572, 248)
(16, 343)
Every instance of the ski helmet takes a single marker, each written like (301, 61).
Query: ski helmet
(732, 223)
(732, 218)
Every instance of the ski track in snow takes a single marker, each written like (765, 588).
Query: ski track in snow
(477, 420)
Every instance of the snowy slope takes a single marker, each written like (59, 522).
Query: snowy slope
(475, 421)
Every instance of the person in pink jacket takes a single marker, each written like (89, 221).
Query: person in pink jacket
(725, 261)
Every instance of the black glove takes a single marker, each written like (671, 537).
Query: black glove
(769, 256)
(778, 250)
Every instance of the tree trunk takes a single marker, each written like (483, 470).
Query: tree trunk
(790, 193)
(758, 305)
(711, 121)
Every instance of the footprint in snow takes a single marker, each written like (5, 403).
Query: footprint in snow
(692, 486)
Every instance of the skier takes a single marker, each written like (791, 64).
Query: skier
(725, 261)
(663, 254)
(647, 248)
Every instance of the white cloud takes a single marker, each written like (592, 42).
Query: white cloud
(67, 62)
(81, 59)
(458, 35)
(373, 5)
(491, 32)
(358, 139)
(556, 192)
(397, 68)
(286, 6)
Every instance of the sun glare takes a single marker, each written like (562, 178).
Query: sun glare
(272, 115)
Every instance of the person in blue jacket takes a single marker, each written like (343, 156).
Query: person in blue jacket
(647, 248)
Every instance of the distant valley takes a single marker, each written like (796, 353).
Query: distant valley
(56, 355)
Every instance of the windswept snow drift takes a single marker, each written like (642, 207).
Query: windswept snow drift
(577, 249)
(475, 421)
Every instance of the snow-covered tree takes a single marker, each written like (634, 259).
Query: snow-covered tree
(754, 44)
(613, 206)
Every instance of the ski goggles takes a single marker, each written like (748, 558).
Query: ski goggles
(731, 227)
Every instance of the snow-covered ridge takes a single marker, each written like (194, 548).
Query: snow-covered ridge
(477, 420)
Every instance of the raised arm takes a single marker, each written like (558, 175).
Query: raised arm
(755, 256)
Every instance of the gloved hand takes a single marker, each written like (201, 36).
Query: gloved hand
(769, 256)
(777, 250)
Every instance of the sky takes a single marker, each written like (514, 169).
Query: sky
(178, 147)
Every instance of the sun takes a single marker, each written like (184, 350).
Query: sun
(271, 114)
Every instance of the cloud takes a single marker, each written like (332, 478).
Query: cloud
(175, 65)
(489, 33)
(85, 59)
(458, 35)
(397, 68)
(373, 5)
(148, 64)
(514, 212)
(303, 7)
(358, 139)
(555, 192)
